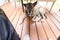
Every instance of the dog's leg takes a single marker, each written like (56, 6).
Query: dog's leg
(45, 16)
(41, 15)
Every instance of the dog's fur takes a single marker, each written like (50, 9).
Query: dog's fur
(40, 13)
(35, 13)
(29, 8)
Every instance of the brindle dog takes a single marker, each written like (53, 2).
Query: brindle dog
(29, 9)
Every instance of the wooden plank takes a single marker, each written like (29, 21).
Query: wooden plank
(11, 18)
(33, 32)
(9, 10)
(42, 34)
(55, 22)
(57, 17)
(14, 22)
(4, 6)
(53, 27)
(19, 27)
(56, 13)
(48, 31)
(25, 30)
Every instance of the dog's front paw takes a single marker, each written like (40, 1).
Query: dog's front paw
(36, 18)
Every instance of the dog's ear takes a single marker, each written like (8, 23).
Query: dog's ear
(24, 5)
(34, 3)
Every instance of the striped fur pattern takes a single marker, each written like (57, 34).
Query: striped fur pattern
(34, 12)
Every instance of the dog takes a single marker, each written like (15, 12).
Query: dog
(36, 13)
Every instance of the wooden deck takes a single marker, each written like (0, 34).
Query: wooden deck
(47, 30)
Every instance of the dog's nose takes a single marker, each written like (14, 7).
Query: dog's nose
(31, 14)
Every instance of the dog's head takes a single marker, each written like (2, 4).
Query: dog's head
(29, 8)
